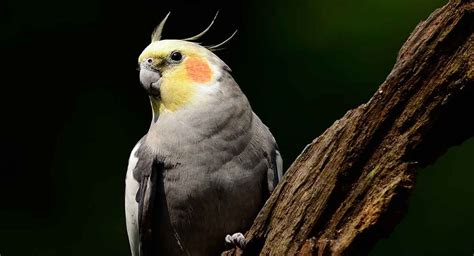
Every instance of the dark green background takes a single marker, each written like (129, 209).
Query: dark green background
(72, 108)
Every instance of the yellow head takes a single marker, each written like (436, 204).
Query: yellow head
(174, 71)
(177, 72)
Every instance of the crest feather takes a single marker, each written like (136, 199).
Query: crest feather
(216, 46)
(156, 35)
(204, 31)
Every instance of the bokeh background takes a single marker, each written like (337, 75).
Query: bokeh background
(72, 108)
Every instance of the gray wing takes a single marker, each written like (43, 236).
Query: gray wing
(147, 173)
(275, 163)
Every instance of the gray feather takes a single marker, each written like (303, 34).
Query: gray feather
(219, 164)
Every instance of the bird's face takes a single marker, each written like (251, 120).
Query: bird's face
(174, 72)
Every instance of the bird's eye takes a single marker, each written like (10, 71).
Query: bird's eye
(149, 60)
(176, 56)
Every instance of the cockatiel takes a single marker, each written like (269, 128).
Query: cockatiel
(206, 165)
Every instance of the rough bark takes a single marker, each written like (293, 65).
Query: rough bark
(350, 186)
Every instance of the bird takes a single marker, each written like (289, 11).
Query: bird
(207, 164)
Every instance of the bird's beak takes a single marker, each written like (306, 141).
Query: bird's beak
(150, 79)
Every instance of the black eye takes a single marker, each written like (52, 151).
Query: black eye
(149, 60)
(176, 56)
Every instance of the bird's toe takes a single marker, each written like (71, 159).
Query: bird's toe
(236, 239)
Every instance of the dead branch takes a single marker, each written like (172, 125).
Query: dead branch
(350, 186)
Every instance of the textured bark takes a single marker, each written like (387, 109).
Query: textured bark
(350, 186)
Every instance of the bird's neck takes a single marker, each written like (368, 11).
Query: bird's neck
(156, 105)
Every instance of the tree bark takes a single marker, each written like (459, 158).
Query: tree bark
(350, 186)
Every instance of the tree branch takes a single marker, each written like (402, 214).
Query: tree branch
(350, 186)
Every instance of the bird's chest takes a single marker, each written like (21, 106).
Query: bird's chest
(192, 194)
(196, 212)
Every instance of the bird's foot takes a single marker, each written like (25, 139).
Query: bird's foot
(237, 239)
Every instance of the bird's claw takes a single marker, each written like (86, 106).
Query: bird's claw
(236, 239)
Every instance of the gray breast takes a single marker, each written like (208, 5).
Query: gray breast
(215, 178)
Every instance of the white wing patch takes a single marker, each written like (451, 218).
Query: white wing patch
(279, 163)
(131, 205)
(272, 181)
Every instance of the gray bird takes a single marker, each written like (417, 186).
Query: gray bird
(207, 164)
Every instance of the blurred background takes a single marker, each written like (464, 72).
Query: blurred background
(72, 108)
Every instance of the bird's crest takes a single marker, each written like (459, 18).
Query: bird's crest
(156, 35)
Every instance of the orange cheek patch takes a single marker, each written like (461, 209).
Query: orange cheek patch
(198, 70)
